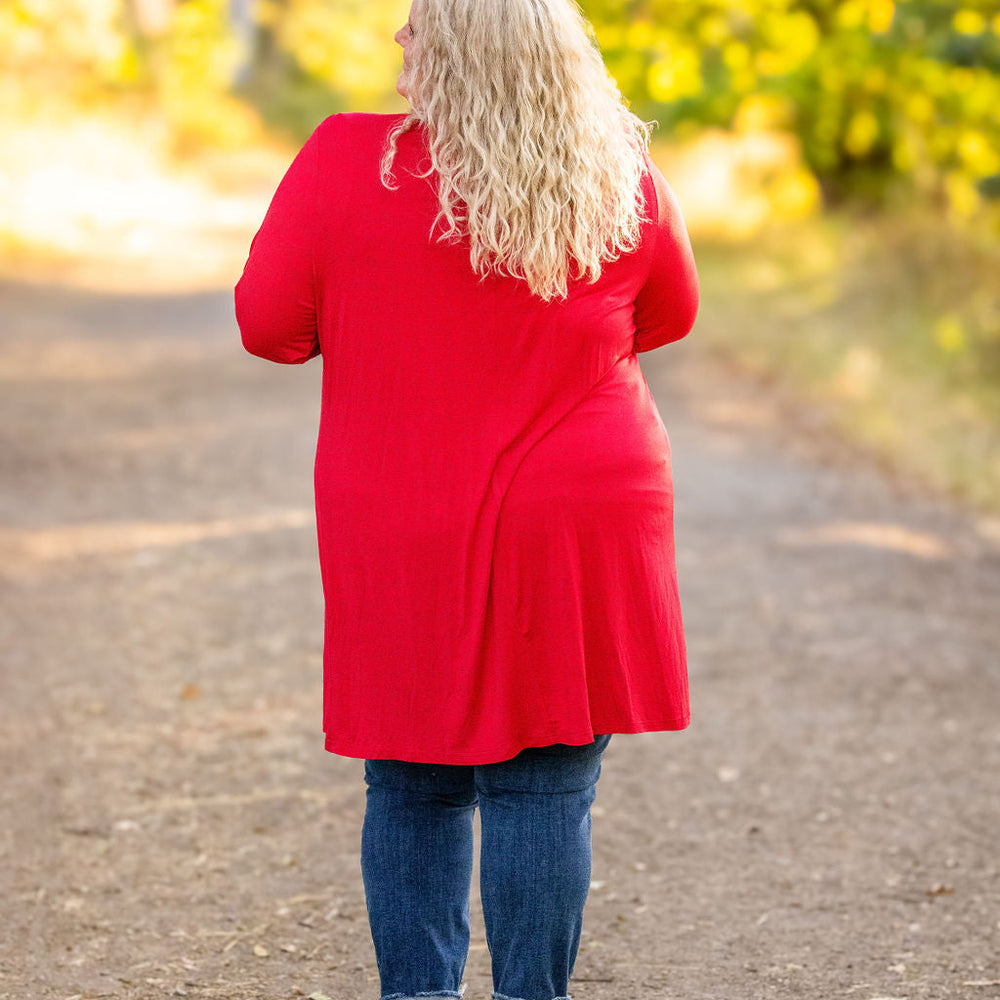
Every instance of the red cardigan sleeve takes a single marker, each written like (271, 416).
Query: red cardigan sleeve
(667, 304)
(275, 297)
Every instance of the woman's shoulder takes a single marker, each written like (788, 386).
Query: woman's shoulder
(359, 122)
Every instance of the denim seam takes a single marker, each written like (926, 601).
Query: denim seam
(527, 791)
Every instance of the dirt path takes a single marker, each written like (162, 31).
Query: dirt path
(827, 827)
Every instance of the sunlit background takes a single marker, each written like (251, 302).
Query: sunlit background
(838, 162)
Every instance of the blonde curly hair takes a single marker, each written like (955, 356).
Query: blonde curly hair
(539, 160)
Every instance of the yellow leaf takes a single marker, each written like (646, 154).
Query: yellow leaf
(968, 22)
(880, 15)
(950, 334)
(862, 131)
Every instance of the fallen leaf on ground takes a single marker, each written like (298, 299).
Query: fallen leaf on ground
(938, 889)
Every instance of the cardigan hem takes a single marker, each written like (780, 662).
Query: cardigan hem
(352, 748)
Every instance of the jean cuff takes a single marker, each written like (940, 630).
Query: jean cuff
(429, 993)
(503, 996)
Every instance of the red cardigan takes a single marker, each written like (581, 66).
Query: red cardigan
(494, 498)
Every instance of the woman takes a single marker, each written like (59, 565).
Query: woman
(493, 483)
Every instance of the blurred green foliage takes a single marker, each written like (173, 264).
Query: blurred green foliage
(215, 69)
(888, 323)
(887, 98)
(174, 58)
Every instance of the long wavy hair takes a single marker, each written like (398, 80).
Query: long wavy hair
(538, 158)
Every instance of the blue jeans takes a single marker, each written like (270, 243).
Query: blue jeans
(416, 863)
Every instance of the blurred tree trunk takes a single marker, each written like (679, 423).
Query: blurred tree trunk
(264, 62)
(245, 29)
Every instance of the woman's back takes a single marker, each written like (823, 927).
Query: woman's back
(493, 487)
(494, 495)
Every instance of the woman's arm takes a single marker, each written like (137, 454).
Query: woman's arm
(667, 304)
(276, 296)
